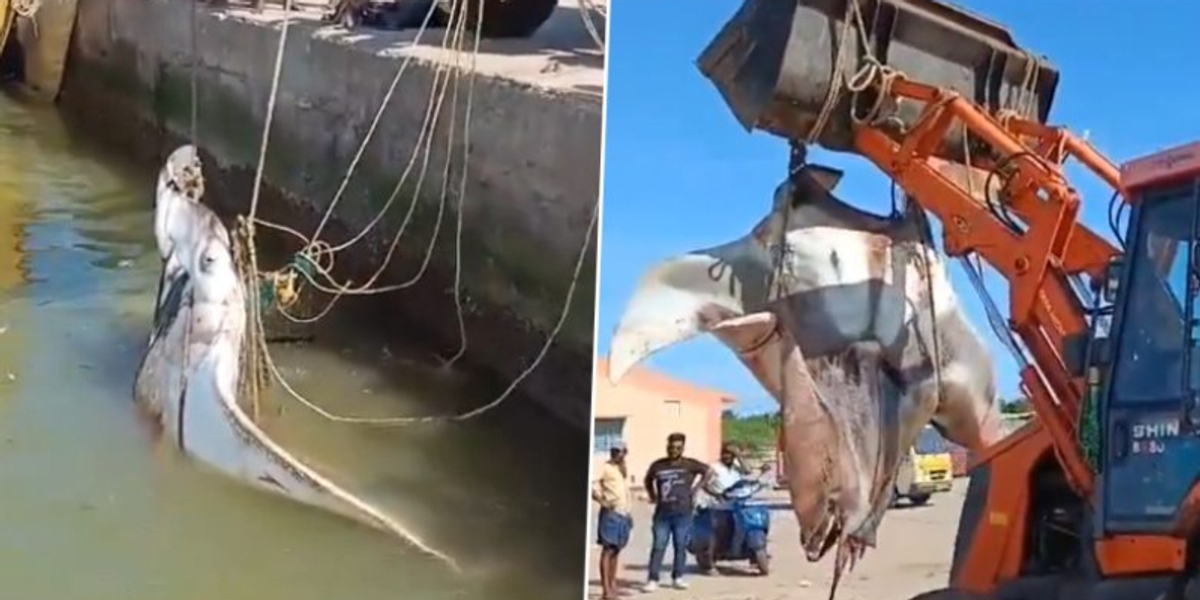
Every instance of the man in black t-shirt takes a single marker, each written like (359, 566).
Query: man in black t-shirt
(671, 483)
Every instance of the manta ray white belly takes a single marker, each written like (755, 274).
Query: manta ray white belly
(188, 380)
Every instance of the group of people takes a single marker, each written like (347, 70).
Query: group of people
(676, 484)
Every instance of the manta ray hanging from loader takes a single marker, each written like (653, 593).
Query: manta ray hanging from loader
(842, 335)
(190, 376)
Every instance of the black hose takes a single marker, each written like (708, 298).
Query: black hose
(1114, 217)
(993, 204)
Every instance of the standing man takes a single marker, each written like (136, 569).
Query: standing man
(611, 492)
(671, 483)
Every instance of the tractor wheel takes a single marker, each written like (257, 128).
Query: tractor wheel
(918, 499)
(503, 18)
(409, 14)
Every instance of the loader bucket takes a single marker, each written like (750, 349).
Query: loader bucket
(773, 63)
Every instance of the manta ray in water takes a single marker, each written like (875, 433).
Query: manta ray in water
(188, 379)
(852, 326)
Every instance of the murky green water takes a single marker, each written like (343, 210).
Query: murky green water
(91, 507)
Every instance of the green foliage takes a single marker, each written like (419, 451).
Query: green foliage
(1015, 406)
(761, 432)
(751, 432)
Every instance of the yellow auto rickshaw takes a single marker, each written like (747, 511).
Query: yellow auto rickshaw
(926, 470)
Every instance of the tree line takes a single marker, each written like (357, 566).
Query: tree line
(759, 432)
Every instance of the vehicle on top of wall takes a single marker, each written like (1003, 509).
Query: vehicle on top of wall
(501, 18)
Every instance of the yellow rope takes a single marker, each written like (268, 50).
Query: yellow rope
(327, 282)
(255, 353)
(256, 358)
(383, 104)
(320, 255)
(566, 309)
(315, 252)
(871, 72)
(193, 21)
(834, 93)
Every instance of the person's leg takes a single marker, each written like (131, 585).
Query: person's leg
(660, 529)
(606, 573)
(736, 535)
(681, 525)
(613, 569)
(716, 527)
(602, 539)
(622, 540)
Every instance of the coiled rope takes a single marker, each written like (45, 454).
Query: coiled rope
(870, 71)
(319, 255)
(314, 264)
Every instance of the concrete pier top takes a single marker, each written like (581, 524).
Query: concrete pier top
(561, 57)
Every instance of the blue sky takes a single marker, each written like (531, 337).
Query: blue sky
(681, 174)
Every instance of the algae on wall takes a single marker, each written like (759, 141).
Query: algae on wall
(45, 38)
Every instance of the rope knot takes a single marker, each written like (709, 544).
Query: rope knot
(880, 76)
(1005, 116)
(26, 8)
(279, 288)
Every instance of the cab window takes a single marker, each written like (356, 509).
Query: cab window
(930, 442)
(1154, 336)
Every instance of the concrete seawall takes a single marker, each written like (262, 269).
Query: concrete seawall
(532, 175)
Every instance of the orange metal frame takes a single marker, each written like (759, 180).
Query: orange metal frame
(1043, 308)
(1172, 164)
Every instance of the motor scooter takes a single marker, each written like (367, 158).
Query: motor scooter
(744, 534)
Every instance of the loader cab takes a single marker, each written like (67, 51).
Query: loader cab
(1148, 454)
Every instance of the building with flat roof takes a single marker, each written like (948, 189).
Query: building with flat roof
(645, 408)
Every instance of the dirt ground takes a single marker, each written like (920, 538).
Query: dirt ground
(913, 556)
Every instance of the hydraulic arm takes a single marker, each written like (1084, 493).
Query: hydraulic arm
(1033, 239)
(1036, 255)
(936, 118)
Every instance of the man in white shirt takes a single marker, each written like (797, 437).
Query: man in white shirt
(726, 472)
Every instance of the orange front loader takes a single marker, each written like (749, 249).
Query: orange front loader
(1096, 497)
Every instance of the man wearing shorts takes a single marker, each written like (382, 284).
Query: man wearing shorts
(611, 492)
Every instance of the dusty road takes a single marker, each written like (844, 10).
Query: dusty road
(913, 555)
